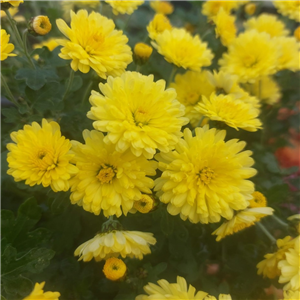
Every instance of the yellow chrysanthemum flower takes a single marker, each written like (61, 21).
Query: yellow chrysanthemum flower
(159, 24)
(297, 33)
(51, 44)
(137, 114)
(291, 295)
(39, 294)
(205, 177)
(243, 219)
(6, 47)
(6, 4)
(258, 200)
(180, 48)
(108, 180)
(142, 52)
(269, 266)
(114, 269)
(211, 7)
(178, 290)
(225, 27)
(250, 8)
(124, 7)
(290, 53)
(190, 88)
(40, 155)
(94, 43)
(266, 89)
(145, 204)
(67, 6)
(162, 7)
(290, 267)
(251, 56)
(40, 25)
(267, 23)
(291, 9)
(133, 244)
(235, 113)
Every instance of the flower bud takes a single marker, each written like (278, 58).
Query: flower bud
(114, 269)
(297, 33)
(145, 204)
(39, 25)
(250, 9)
(162, 7)
(142, 52)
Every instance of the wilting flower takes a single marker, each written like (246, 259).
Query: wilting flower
(142, 52)
(251, 56)
(124, 7)
(291, 9)
(182, 49)
(205, 177)
(94, 43)
(108, 180)
(178, 290)
(133, 244)
(39, 294)
(40, 155)
(211, 7)
(145, 204)
(162, 7)
(114, 268)
(250, 8)
(137, 114)
(6, 47)
(159, 24)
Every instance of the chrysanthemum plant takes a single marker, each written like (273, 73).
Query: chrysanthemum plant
(150, 150)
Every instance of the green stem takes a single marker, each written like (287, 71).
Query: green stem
(199, 124)
(8, 91)
(14, 29)
(208, 31)
(69, 85)
(87, 91)
(279, 221)
(138, 68)
(172, 75)
(266, 232)
(25, 48)
(127, 22)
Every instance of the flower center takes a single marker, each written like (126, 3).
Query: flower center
(193, 98)
(249, 61)
(45, 160)
(94, 43)
(141, 117)
(106, 174)
(206, 175)
(220, 90)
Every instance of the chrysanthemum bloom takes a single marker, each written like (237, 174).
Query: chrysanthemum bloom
(159, 24)
(250, 8)
(241, 220)
(137, 114)
(133, 244)
(108, 180)
(290, 267)
(269, 266)
(251, 56)
(258, 200)
(124, 7)
(266, 89)
(6, 4)
(39, 294)
(267, 23)
(180, 48)
(211, 7)
(41, 155)
(290, 53)
(225, 27)
(67, 6)
(94, 43)
(142, 52)
(291, 9)
(190, 88)
(235, 113)
(40, 25)
(114, 269)
(6, 47)
(291, 295)
(178, 290)
(162, 7)
(205, 177)
(297, 33)
(145, 204)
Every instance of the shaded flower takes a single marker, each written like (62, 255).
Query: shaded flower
(291, 295)
(211, 8)
(291, 9)
(114, 269)
(159, 24)
(124, 7)
(250, 8)
(297, 33)
(67, 6)
(39, 294)
(6, 47)
(162, 7)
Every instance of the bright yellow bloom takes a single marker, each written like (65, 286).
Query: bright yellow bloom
(137, 114)
(297, 33)
(290, 53)
(290, 267)
(225, 27)
(162, 7)
(67, 6)
(114, 269)
(94, 43)
(133, 244)
(159, 24)
(176, 291)
(205, 177)
(258, 200)
(251, 55)
(190, 88)
(250, 8)
(124, 7)
(6, 4)
(41, 25)
(142, 52)
(108, 180)
(145, 204)
(235, 113)
(291, 9)
(182, 49)
(211, 7)
(291, 295)
(267, 23)
(39, 294)
(241, 220)
(51, 44)
(6, 47)
(40, 155)
(269, 266)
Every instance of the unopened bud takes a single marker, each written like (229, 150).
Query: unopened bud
(142, 52)
(39, 25)
(250, 9)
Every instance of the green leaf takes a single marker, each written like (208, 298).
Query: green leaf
(18, 285)
(166, 223)
(278, 193)
(76, 84)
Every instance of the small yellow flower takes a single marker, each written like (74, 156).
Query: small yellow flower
(258, 200)
(288, 8)
(6, 4)
(124, 7)
(114, 269)
(211, 7)
(39, 294)
(145, 204)
(297, 33)
(142, 52)
(159, 24)
(162, 7)
(51, 44)
(6, 47)
(250, 9)
(40, 25)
